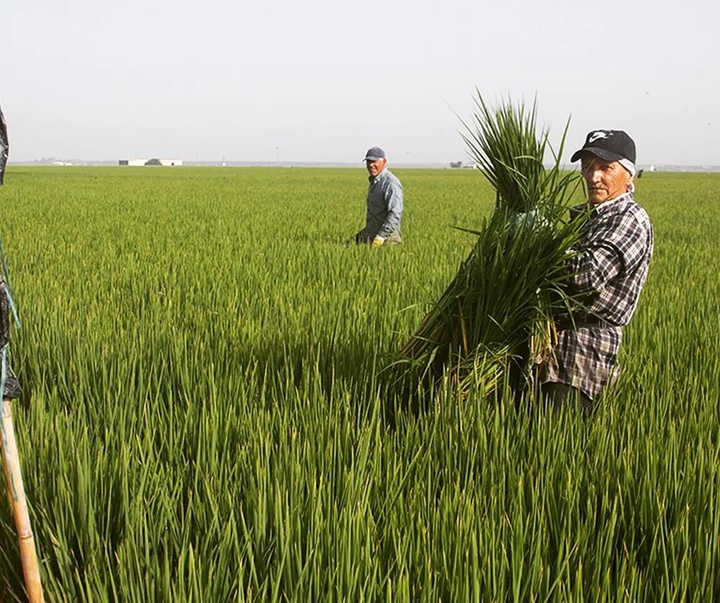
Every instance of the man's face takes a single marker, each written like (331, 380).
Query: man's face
(606, 180)
(376, 166)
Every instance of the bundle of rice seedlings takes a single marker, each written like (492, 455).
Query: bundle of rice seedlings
(498, 310)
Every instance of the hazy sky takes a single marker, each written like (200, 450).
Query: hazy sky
(323, 80)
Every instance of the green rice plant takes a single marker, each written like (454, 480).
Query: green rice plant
(203, 415)
(500, 306)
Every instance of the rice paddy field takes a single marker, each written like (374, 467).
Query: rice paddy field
(204, 409)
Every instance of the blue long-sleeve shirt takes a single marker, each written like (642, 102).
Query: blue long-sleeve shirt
(384, 205)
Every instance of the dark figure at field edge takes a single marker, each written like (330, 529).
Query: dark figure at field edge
(607, 273)
(384, 203)
(4, 147)
(10, 386)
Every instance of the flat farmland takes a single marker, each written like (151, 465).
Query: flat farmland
(202, 420)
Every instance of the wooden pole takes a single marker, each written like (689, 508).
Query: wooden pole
(11, 460)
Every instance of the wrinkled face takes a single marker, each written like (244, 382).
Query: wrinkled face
(606, 180)
(375, 167)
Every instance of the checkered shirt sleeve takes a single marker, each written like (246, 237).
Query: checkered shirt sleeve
(610, 269)
(612, 259)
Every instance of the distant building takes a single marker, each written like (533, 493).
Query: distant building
(153, 161)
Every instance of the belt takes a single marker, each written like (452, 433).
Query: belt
(581, 320)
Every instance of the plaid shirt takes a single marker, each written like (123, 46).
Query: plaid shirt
(609, 270)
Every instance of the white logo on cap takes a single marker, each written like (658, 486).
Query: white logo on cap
(597, 135)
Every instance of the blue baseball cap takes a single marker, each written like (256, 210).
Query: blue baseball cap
(374, 154)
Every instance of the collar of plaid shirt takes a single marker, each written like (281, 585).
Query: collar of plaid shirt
(606, 205)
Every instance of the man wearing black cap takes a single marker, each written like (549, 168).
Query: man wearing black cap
(384, 203)
(607, 273)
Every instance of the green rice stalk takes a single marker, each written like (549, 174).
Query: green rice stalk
(502, 301)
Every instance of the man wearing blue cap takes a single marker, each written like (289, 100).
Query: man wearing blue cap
(607, 274)
(384, 203)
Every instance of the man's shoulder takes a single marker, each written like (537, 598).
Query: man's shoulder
(625, 205)
(388, 177)
(623, 217)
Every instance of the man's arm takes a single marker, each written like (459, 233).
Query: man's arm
(394, 200)
(617, 247)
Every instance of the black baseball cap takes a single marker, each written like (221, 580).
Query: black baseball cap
(610, 145)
